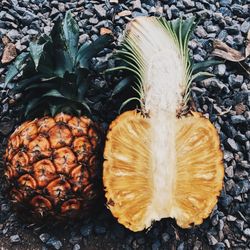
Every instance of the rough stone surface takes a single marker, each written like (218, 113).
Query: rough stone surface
(224, 99)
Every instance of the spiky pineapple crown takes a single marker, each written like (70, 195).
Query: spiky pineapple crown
(143, 51)
(56, 72)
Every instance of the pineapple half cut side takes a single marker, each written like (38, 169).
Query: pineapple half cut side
(160, 166)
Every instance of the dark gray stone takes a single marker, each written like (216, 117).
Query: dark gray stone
(54, 12)
(101, 12)
(100, 230)
(220, 246)
(245, 164)
(76, 247)
(174, 11)
(137, 5)
(225, 200)
(6, 127)
(188, 3)
(240, 10)
(83, 38)
(225, 11)
(86, 230)
(239, 40)
(198, 58)
(32, 32)
(88, 13)
(165, 237)
(245, 26)
(233, 145)
(13, 35)
(221, 225)
(141, 241)
(5, 208)
(231, 218)
(239, 224)
(247, 232)
(233, 30)
(221, 69)
(53, 242)
(211, 239)
(156, 245)
(201, 32)
(229, 171)
(61, 7)
(15, 238)
(119, 231)
(28, 18)
(212, 28)
(225, 3)
(137, 14)
(181, 246)
(93, 20)
(222, 35)
(44, 237)
(238, 119)
(244, 186)
(75, 239)
(215, 219)
(197, 245)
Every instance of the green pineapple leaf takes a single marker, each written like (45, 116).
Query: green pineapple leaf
(71, 35)
(88, 51)
(16, 67)
(36, 51)
(121, 86)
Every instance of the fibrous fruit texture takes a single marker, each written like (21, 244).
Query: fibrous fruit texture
(52, 166)
(159, 162)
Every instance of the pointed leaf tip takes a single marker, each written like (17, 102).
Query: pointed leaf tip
(36, 51)
(71, 35)
(16, 67)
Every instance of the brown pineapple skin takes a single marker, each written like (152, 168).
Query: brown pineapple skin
(52, 167)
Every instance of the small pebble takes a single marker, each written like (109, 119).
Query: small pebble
(247, 232)
(76, 247)
(44, 237)
(211, 239)
(15, 238)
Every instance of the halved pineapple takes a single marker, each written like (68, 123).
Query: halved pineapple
(159, 163)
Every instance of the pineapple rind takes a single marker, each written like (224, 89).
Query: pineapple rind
(53, 167)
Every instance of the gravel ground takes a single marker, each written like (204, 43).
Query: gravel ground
(225, 99)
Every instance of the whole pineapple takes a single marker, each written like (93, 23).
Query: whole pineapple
(53, 162)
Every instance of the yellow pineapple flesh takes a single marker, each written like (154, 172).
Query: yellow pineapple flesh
(128, 172)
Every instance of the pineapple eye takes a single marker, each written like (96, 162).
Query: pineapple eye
(78, 126)
(41, 203)
(70, 206)
(82, 148)
(59, 136)
(28, 133)
(45, 124)
(27, 181)
(58, 189)
(44, 172)
(21, 159)
(64, 160)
